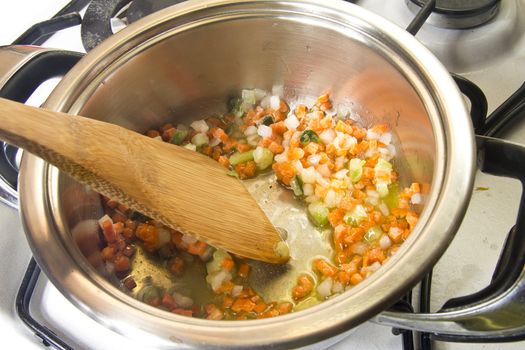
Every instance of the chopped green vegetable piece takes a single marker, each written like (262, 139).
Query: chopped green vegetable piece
(234, 104)
(267, 120)
(373, 234)
(297, 186)
(179, 136)
(309, 136)
(356, 169)
(190, 146)
(318, 214)
(392, 198)
(233, 173)
(148, 293)
(355, 217)
(239, 157)
(263, 157)
(200, 139)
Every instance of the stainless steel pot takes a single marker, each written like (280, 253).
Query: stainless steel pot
(183, 62)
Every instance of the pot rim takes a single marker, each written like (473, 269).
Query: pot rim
(448, 199)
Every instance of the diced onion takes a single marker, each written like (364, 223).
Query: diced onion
(324, 170)
(324, 289)
(327, 136)
(251, 130)
(189, 239)
(275, 102)
(385, 242)
(311, 199)
(278, 90)
(383, 208)
(416, 198)
(200, 126)
(314, 159)
(281, 158)
(182, 300)
(341, 174)
(236, 290)
(164, 236)
(386, 138)
(330, 199)
(371, 135)
(264, 131)
(337, 287)
(308, 175)
(200, 139)
(214, 142)
(291, 122)
(308, 189)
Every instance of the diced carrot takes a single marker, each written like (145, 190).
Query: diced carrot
(411, 218)
(356, 279)
(228, 264)
(324, 267)
(276, 148)
(335, 217)
(260, 307)
(244, 270)
(216, 122)
(284, 308)
(380, 128)
(168, 134)
(118, 227)
(220, 134)
(243, 147)
(197, 248)
(284, 172)
(176, 265)
(168, 301)
(152, 133)
(243, 304)
(279, 127)
(227, 302)
(183, 312)
(376, 254)
(224, 161)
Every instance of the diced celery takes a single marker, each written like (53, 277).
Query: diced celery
(373, 234)
(392, 198)
(191, 146)
(233, 173)
(234, 104)
(356, 169)
(355, 217)
(248, 96)
(179, 136)
(382, 189)
(297, 186)
(239, 157)
(318, 213)
(148, 293)
(263, 157)
(200, 139)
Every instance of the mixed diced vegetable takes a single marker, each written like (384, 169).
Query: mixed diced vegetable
(342, 171)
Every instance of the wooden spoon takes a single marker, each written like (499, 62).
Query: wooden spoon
(180, 188)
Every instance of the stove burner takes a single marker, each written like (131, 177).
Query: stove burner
(96, 24)
(459, 14)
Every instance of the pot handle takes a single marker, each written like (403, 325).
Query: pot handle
(22, 70)
(495, 313)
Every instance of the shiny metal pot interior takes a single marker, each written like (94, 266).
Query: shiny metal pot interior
(183, 63)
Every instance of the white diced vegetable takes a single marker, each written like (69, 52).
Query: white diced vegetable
(200, 126)
(264, 131)
(200, 139)
(291, 122)
(262, 157)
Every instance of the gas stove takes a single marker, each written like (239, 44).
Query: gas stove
(481, 40)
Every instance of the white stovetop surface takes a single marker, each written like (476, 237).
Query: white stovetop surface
(498, 68)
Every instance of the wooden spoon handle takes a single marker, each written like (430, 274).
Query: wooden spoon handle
(180, 188)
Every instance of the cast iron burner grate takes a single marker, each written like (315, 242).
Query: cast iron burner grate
(97, 22)
(459, 13)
